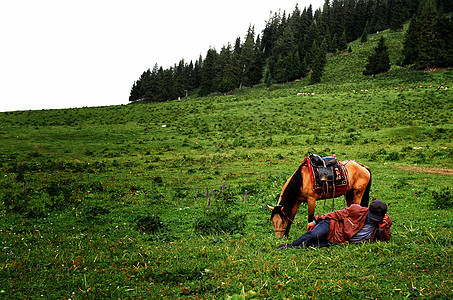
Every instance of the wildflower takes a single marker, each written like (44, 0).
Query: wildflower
(213, 192)
(207, 193)
(245, 196)
(223, 186)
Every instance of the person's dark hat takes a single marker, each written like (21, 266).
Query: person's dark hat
(377, 210)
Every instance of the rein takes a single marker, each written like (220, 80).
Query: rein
(283, 230)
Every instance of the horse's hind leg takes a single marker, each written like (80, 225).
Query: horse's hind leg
(349, 196)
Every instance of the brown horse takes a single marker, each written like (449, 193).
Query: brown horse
(299, 188)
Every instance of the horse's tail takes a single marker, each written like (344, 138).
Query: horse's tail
(366, 194)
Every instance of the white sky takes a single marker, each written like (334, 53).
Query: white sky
(75, 53)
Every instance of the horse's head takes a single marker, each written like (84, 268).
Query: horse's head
(281, 221)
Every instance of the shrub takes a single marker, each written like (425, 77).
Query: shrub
(394, 155)
(442, 199)
(223, 215)
(150, 224)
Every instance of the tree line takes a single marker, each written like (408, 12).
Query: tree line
(295, 45)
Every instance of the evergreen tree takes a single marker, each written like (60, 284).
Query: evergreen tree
(228, 80)
(280, 74)
(397, 14)
(180, 82)
(334, 44)
(247, 56)
(303, 67)
(144, 84)
(166, 91)
(197, 72)
(360, 18)
(267, 77)
(379, 21)
(319, 59)
(312, 35)
(342, 43)
(208, 73)
(271, 33)
(378, 61)
(284, 50)
(134, 95)
(445, 34)
(293, 69)
(257, 64)
(364, 36)
(426, 49)
(424, 46)
(190, 77)
(410, 42)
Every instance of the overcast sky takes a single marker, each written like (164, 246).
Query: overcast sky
(62, 53)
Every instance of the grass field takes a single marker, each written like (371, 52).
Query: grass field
(168, 200)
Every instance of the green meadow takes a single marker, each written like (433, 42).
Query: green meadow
(168, 200)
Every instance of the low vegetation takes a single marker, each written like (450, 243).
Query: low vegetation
(168, 200)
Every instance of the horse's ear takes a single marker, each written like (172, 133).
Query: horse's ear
(270, 207)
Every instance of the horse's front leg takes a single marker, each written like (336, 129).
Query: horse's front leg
(311, 202)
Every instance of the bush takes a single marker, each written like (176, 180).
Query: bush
(442, 199)
(223, 215)
(150, 224)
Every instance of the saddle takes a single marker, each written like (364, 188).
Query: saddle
(329, 176)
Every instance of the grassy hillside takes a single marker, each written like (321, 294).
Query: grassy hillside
(112, 202)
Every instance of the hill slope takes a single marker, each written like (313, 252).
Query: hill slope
(119, 202)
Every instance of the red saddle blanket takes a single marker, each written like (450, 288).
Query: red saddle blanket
(338, 184)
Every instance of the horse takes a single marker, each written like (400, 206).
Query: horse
(299, 188)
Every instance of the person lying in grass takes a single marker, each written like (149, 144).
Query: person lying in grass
(354, 224)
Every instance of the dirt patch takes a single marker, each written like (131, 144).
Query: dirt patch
(437, 171)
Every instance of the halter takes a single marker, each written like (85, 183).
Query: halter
(284, 229)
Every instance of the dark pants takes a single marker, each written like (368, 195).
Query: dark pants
(317, 237)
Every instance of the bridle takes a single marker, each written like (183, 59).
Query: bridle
(289, 219)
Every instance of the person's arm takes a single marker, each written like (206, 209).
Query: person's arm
(383, 231)
(335, 215)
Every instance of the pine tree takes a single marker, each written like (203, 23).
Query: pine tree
(257, 64)
(379, 21)
(247, 56)
(445, 34)
(208, 73)
(180, 82)
(267, 77)
(319, 60)
(334, 44)
(134, 95)
(166, 91)
(378, 61)
(426, 49)
(397, 14)
(342, 43)
(364, 36)
(228, 80)
(284, 53)
(410, 42)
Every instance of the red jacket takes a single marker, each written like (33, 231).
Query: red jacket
(348, 221)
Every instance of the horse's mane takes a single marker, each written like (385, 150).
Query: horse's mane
(290, 194)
